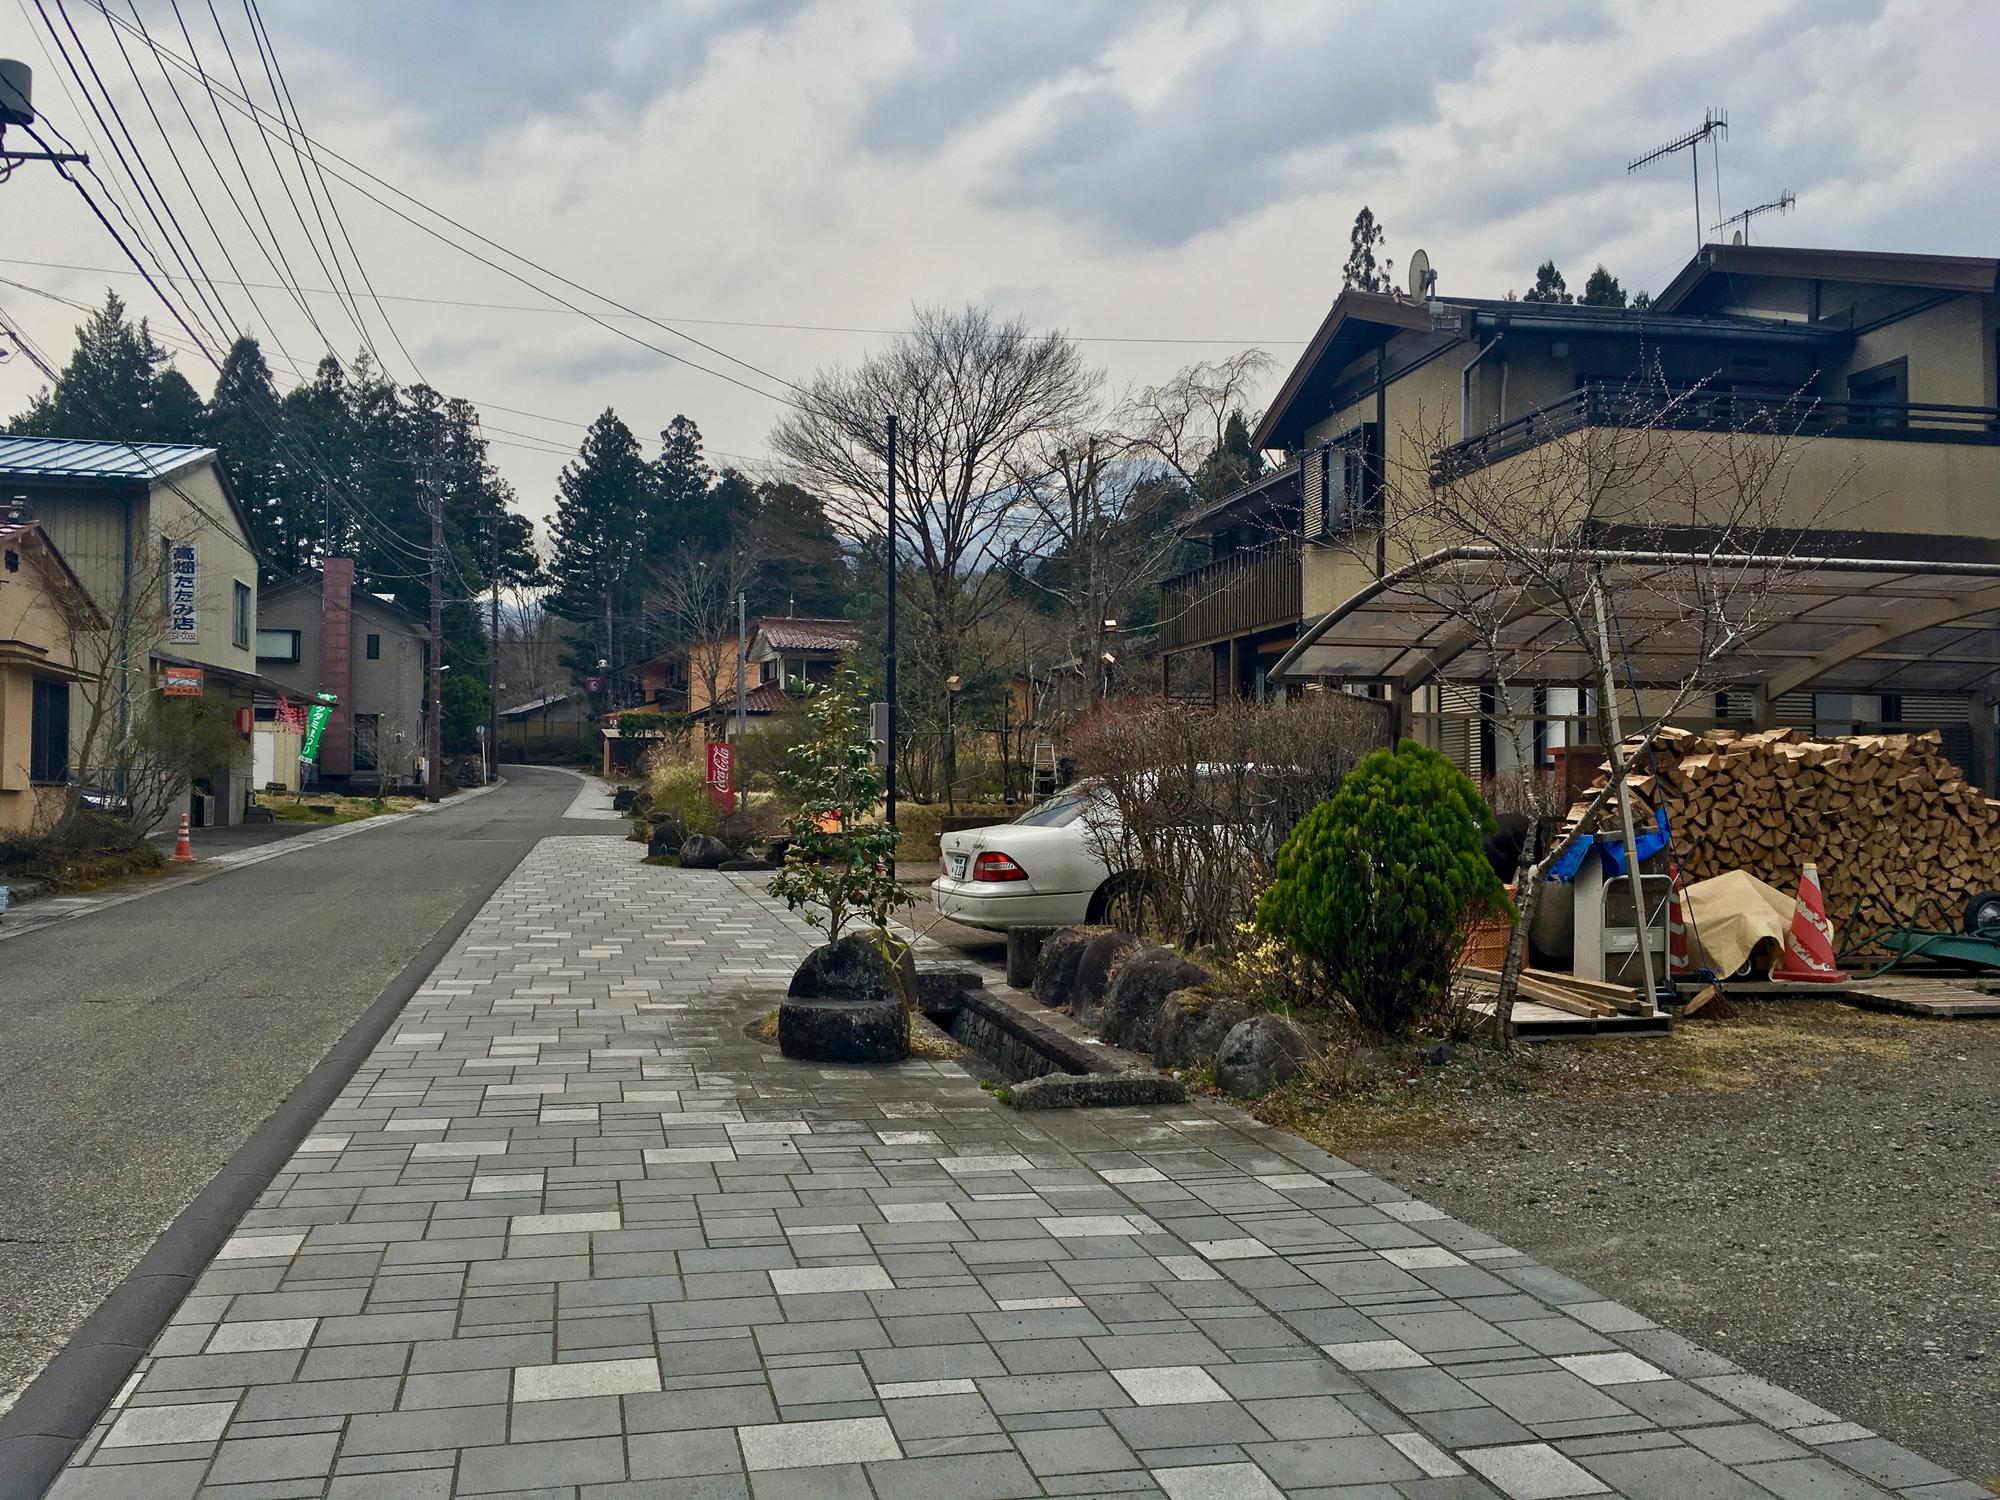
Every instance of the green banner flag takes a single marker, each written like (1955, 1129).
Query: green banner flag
(322, 710)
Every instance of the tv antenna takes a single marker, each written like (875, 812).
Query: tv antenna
(1783, 203)
(1714, 127)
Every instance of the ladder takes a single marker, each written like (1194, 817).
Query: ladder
(1043, 769)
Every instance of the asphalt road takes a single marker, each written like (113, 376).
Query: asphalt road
(140, 1045)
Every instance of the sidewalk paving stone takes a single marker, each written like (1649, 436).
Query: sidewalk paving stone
(570, 1232)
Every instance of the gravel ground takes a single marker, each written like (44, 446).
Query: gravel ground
(1834, 1225)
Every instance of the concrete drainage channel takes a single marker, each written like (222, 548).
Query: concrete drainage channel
(1042, 1064)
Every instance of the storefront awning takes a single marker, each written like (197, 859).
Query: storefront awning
(1837, 625)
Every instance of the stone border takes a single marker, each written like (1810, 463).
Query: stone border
(57, 1409)
(1083, 1075)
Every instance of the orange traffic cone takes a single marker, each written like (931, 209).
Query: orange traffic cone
(1809, 950)
(183, 850)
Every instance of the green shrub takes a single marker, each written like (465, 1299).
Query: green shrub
(679, 789)
(1378, 886)
(642, 721)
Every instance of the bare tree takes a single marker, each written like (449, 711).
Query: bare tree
(1096, 531)
(1184, 421)
(1528, 557)
(970, 391)
(693, 597)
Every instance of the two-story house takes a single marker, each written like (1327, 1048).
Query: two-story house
(162, 547)
(1887, 365)
(43, 611)
(318, 633)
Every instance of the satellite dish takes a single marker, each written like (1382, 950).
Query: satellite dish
(1420, 273)
(1736, 238)
(17, 91)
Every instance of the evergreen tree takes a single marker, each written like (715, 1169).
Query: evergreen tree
(1601, 289)
(1361, 272)
(117, 385)
(1231, 464)
(315, 461)
(1549, 285)
(600, 538)
(801, 567)
(241, 417)
(1641, 300)
(684, 511)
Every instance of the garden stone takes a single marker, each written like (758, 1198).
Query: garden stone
(1096, 969)
(665, 836)
(703, 852)
(1142, 987)
(943, 989)
(1024, 952)
(1259, 1052)
(743, 864)
(1191, 1025)
(853, 969)
(844, 1031)
(621, 799)
(1055, 970)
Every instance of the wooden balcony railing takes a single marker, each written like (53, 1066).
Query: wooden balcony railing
(1245, 591)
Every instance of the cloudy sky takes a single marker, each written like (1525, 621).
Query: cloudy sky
(782, 179)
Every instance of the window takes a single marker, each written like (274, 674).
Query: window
(239, 614)
(1883, 393)
(48, 732)
(367, 742)
(374, 647)
(277, 645)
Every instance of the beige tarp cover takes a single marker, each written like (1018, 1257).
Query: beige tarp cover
(1730, 916)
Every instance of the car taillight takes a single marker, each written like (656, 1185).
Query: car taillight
(991, 866)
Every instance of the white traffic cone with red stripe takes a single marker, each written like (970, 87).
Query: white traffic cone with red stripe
(1809, 949)
(183, 850)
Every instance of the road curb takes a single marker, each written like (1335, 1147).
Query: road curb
(222, 864)
(58, 1408)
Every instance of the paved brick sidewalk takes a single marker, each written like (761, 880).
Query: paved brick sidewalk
(569, 1233)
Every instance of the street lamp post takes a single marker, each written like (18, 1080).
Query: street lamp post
(951, 686)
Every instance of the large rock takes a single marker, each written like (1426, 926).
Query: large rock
(853, 969)
(1191, 1025)
(844, 1031)
(1055, 969)
(1024, 951)
(665, 835)
(1144, 981)
(1096, 969)
(703, 852)
(1258, 1053)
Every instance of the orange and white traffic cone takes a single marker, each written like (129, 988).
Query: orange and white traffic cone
(1809, 950)
(183, 850)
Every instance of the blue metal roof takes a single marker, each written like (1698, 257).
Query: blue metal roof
(70, 458)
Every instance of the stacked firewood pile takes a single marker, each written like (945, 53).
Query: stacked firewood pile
(1886, 816)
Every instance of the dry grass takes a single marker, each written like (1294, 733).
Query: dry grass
(918, 823)
(1350, 1101)
(304, 808)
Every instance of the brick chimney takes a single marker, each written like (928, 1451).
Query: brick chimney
(336, 664)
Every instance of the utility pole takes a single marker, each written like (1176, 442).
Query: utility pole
(434, 729)
(742, 675)
(493, 660)
(889, 655)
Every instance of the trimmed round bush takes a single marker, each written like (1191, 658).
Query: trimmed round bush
(1378, 885)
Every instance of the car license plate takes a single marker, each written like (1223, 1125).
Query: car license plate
(956, 864)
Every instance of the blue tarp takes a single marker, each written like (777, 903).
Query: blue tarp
(1611, 850)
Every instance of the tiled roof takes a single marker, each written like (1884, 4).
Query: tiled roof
(70, 458)
(791, 633)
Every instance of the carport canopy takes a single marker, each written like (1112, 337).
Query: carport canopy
(1830, 624)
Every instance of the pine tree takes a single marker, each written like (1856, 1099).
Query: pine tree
(117, 386)
(1549, 285)
(600, 538)
(1361, 272)
(1601, 289)
(801, 567)
(241, 418)
(684, 513)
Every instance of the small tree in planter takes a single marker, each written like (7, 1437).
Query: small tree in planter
(840, 871)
